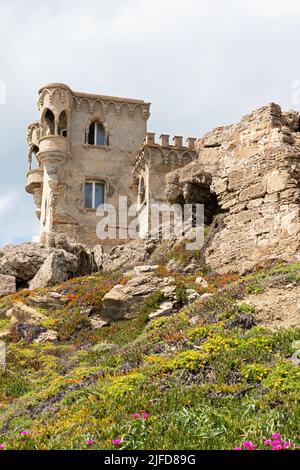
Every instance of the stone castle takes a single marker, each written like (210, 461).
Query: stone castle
(91, 149)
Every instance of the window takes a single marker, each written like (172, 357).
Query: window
(63, 125)
(94, 194)
(49, 122)
(96, 134)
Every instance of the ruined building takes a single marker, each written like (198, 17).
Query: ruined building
(91, 149)
(82, 153)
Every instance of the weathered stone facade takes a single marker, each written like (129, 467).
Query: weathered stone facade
(88, 139)
(252, 171)
(248, 174)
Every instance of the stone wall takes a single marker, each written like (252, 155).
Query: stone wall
(253, 168)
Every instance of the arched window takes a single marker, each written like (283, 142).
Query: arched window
(96, 134)
(63, 124)
(49, 122)
(32, 159)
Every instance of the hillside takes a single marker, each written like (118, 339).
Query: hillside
(217, 371)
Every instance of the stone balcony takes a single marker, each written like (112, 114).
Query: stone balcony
(54, 144)
(34, 180)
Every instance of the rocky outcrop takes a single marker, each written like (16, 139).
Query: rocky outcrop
(123, 301)
(21, 313)
(22, 261)
(7, 285)
(249, 173)
(58, 267)
(126, 256)
(55, 259)
(86, 263)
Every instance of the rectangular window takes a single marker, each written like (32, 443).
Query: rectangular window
(94, 194)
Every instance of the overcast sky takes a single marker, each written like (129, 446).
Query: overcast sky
(202, 64)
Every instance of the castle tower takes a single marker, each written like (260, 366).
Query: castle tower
(83, 146)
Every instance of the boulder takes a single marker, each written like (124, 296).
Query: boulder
(146, 268)
(7, 285)
(124, 301)
(45, 336)
(58, 267)
(49, 302)
(165, 308)
(22, 261)
(129, 255)
(202, 282)
(60, 241)
(21, 313)
(99, 256)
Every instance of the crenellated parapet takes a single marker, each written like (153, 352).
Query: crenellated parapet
(163, 153)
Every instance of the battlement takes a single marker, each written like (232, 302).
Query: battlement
(150, 139)
(169, 156)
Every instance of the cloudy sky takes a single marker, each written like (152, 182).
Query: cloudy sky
(202, 64)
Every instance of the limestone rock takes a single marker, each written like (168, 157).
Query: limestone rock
(124, 301)
(21, 313)
(98, 322)
(248, 173)
(49, 302)
(58, 267)
(129, 255)
(165, 308)
(202, 282)
(99, 256)
(49, 335)
(7, 285)
(60, 241)
(22, 261)
(145, 268)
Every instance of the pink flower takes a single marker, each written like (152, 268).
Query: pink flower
(237, 448)
(276, 443)
(136, 415)
(24, 433)
(117, 442)
(278, 447)
(89, 442)
(248, 444)
(286, 444)
(276, 436)
(2, 446)
(146, 415)
(268, 442)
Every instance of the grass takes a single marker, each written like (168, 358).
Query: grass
(205, 385)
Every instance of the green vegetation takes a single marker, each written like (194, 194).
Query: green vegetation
(205, 385)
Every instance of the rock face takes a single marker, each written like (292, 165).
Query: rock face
(123, 302)
(7, 285)
(54, 259)
(129, 255)
(22, 261)
(58, 267)
(86, 262)
(249, 173)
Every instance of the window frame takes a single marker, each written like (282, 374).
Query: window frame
(94, 183)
